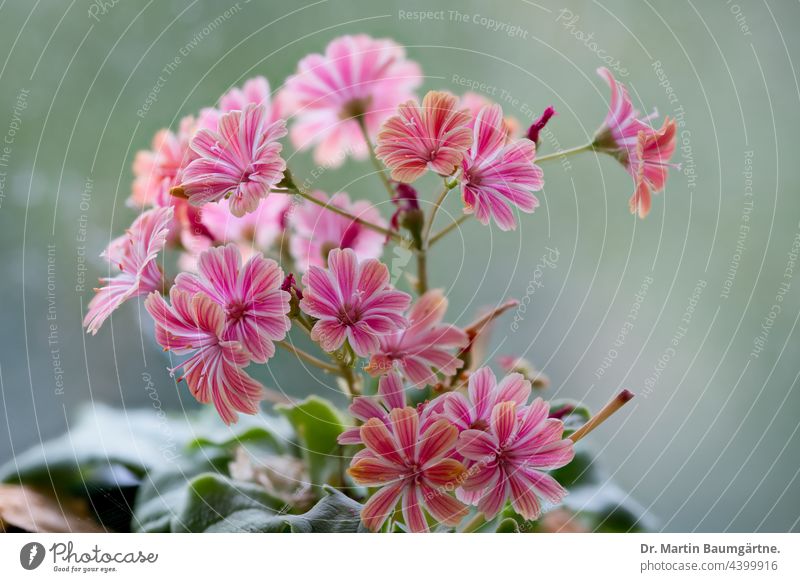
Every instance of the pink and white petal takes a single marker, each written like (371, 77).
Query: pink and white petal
(381, 505)
(552, 456)
(363, 339)
(504, 422)
(494, 498)
(444, 472)
(404, 423)
(523, 497)
(372, 472)
(343, 266)
(412, 510)
(373, 276)
(481, 389)
(442, 506)
(365, 407)
(379, 440)
(436, 442)
(544, 485)
(489, 133)
(477, 445)
(330, 334)
(417, 372)
(428, 310)
(390, 388)
(350, 436)
(515, 388)
(480, 477)
(220, 267)
(458, 410)
(534, 415)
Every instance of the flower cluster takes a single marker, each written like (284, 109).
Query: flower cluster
(218, 191)
(485, 448)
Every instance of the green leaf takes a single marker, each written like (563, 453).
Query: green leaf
(215, 503)
(316, 423)
(334, 513)
(100, 440)
(218, 504)
(582, 470)
(266, 432)
(607, 508)
(572, 413)
(164, 492)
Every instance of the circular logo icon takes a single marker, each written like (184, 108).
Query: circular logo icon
(31, 555)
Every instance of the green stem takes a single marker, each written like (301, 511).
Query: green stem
(346, 372)
(305, 325)
(452, 226)
(436, 205)
(340, 212)
(374, 158)
(474, 524)
(563, 153)
(422, 255)
(422, 272)
(305, 356)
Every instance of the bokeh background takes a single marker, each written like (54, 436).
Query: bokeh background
(678, 308)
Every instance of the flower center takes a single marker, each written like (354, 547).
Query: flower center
(349, 315)
(414, 472)
(246, 173)
(472, 178)
(235, 311)
(354, 108)
(480, 424)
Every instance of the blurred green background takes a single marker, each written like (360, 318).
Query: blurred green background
(672, 307)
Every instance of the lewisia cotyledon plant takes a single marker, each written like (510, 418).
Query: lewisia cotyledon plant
(439, 437)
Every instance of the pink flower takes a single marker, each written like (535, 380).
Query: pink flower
(410, 466)
(250, 296)
(509, 459)
(213, 224)
(622, 124)
(357, 77)
(643, 150)
(424, 347)
(433, 137)
(474, 102)
(258, 229)
(649, 165)
(193, 324)
(483, 393)
(317, 230)
(135, 255)
(520, 365)
(498, 175)
(390, 395)
(352, 301)
(255, 91)
(241, 161)
(156, 171)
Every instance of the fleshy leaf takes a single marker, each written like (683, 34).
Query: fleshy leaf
(99, 441)
(317, 424)
(218, 504)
